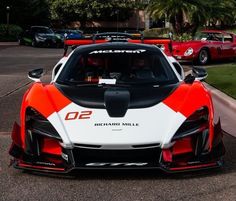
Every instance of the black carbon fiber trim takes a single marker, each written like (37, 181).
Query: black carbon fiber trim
(140, 96)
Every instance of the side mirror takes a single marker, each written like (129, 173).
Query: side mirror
(199, 73)
(189, 79)
(35, 74)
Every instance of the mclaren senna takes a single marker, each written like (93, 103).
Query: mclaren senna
(117, 104)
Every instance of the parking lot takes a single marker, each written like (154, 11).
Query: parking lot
(15, 62)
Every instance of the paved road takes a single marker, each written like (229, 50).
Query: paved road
(15, 62)
(95, 185)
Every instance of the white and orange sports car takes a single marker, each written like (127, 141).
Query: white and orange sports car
(117, 105)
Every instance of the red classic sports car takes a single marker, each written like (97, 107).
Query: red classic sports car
(207, 46)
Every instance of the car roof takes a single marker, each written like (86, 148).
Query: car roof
(39, 27)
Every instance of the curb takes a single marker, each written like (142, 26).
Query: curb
(226, 109)
(222, 97)
(8, 43)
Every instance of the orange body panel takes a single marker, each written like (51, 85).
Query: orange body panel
(190, 97)
(45, 99)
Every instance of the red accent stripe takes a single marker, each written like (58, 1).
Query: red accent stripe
(84, 42)
(40, 167)
(78, 42)
(90, 41)
(194, 166)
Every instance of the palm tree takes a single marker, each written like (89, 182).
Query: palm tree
(178, 12)
(194, 13)
(223, 11)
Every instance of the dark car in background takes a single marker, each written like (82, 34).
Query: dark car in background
(69, 33)
(40, 36)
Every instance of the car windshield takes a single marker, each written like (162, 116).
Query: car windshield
(117, 66)
(42, 30)
(208, 36)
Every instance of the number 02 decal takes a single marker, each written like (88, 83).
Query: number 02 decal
(78, 115)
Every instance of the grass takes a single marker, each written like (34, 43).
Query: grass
(223, 77)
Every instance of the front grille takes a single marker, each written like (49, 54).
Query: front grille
(83, 156)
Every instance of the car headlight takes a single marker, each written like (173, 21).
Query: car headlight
(188, 52)
(40, 38)
(58, 36)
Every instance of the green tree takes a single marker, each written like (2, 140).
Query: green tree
(87, 10)
(188, 15)
(177, 12)
(223, 11)
(25, 12)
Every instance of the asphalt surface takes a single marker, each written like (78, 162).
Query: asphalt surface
(215, 185)
(15, 62)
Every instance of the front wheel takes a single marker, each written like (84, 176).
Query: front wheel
(203, 57)
(34, 43)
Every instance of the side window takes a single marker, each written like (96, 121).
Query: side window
(179, 69)
(228, 38)
(55, 70)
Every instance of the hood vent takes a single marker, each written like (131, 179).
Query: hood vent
(116, 101)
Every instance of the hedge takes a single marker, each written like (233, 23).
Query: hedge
(164, 32)
(13, 34)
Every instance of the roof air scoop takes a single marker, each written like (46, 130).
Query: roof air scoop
(116, 101)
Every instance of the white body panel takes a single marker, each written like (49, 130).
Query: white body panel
(156, 124)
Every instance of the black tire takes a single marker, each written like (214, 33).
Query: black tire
(34, 43)
(203, 57)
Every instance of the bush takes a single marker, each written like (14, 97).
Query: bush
(164, 33)
(13, 34)
(182, 38)
(232, 30)
(157, 32)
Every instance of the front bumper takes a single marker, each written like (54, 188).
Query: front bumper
(82, 159)
(51, 43)
(45, 154)
(183, 58)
